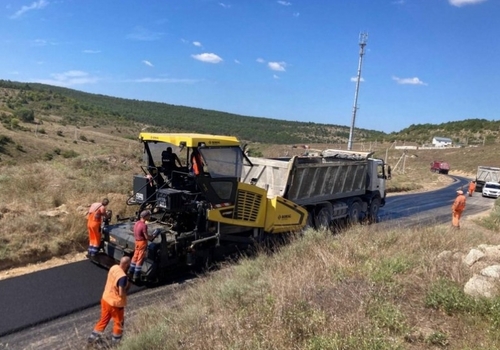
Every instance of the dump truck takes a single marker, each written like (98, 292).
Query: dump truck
(486, 174)
(438, 166)
(201, 210)
(334, 186)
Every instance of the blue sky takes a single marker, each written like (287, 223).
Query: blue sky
(425, 61)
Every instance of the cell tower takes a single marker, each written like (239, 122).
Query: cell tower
(363, 37)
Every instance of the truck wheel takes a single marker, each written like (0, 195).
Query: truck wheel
(322, 219)
(354, 212)
(373, 210)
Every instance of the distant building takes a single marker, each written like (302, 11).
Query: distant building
(441, 142)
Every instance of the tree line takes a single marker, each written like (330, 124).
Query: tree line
(27, 100)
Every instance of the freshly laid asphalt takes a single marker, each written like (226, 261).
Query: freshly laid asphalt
(31, 299)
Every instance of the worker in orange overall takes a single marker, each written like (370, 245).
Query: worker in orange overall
(96, 214)
(196, 163)
(141, 236)
(472, 187)
(457, 208)
(113, 302)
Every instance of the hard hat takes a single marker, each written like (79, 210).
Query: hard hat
(460, 192)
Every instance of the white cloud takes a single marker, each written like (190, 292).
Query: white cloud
(207, 57)
(91, 51)
(409, 81)
(197, 43)
(70, 78)
(147, 63)
(39, 42)
(460, 3)
(277, 66)
(275, 76)
(42, 42)
(260, 60)
(284, 3)
(37, 5)
(237, 62)
(143, 34)
(296, 14)
(355, 79)
(226, 6)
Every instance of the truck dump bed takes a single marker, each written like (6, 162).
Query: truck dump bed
(309, 180)
(488, 173)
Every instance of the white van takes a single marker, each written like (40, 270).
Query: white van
(491, 189)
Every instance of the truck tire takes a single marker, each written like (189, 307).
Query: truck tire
(373, 210)
(354, 213)
(322, 218)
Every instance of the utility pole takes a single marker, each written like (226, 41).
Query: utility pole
(363, 37)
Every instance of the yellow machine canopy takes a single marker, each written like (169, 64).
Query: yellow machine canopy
(190, 140)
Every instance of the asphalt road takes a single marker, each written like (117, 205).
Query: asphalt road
(433, 207)
(57, 308)
(48, 294)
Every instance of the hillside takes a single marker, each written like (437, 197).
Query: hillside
(465, 132)
(30, 101)
(84, 109)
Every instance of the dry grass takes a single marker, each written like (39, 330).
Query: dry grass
(363, 289)
(78, 174)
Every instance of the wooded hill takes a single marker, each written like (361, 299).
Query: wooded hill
(27, 101)
(83, 109)
(465, 132)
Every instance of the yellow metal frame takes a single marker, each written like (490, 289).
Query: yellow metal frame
(190, 140)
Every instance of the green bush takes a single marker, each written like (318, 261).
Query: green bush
(449, 297)
(25, 114)
(48, 156)
(69, 154)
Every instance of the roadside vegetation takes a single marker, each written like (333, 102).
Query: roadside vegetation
(366, 288)
(47, 181)
(492, 221)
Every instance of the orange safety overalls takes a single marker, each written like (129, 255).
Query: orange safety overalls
(112, 305)
(456, 209)
(94, 221)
